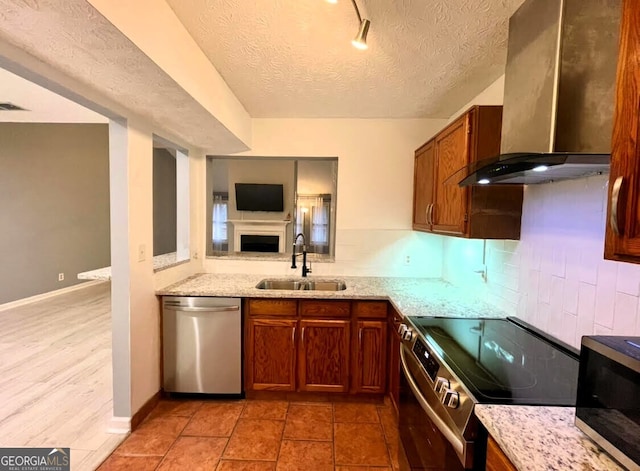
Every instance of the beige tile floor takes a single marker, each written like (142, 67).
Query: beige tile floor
(55, 375)
(256, 435)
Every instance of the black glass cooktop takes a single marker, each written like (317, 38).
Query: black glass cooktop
(503, 361)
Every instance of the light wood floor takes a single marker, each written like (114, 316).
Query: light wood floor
(55, 375)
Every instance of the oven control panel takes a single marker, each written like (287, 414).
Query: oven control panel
(426, 358)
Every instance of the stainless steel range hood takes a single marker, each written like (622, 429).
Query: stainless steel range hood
(559, 94)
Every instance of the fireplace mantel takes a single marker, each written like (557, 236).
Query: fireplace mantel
(259, 227)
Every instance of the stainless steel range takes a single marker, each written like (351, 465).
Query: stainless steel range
(451, 364)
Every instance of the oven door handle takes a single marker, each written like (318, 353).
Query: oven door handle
(451, 437)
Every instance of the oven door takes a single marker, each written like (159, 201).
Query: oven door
(425, 445)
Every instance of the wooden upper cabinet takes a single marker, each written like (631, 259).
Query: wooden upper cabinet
(440, 205)
(622, 237)
(369, 364)
(423, 183)
(270, 362)
(323, 358)
(449, 214)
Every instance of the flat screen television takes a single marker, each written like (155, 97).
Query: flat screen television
(259, 197)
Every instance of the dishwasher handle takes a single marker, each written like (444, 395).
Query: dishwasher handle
(179, 307)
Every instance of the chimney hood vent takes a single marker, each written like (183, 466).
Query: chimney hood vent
(559, 94)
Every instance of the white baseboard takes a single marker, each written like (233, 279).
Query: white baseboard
(50, 294)
(119, 425)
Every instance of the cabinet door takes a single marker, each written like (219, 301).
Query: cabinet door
(423, 182)
(622, 240)
(323, 358)
(370, 357)
(270, 362)
(496, 459)
(394, 359)
(449, 214)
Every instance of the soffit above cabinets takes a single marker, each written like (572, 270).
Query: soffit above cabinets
(426, 58)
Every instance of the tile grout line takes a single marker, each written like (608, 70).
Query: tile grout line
(286, 415)
(384, 435)
(333, 434)
(175, 440)
(244, 405)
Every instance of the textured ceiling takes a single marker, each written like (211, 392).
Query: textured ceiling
(71, 36)
(293, 58)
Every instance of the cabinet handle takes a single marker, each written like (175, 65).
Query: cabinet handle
(302, 335)
(431, 214)
(615, 202)
(293, 336)
(359, 337)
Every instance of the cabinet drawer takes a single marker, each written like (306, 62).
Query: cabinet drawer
(325, 308)
(370, 309)
(272, 307)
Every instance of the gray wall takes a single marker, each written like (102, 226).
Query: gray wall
(164, 202)
(54, 205)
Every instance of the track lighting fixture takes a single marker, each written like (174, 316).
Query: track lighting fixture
(360, 41)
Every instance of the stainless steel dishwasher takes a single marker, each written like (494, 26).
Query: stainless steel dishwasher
(202, 345)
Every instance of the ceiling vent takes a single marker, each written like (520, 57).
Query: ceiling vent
(11, 107)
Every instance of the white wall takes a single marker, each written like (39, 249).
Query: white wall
(555, 277)
(375, 193)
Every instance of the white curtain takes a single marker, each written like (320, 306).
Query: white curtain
(320, 222)
(219, 230)
(313, 214)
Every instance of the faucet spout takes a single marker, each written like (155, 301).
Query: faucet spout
(305, 269)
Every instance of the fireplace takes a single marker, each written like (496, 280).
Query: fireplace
(259, 235)
(259, 243)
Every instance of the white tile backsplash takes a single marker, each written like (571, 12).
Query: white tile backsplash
(623, 322)
(555, 277)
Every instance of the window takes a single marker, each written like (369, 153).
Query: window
(219, 235)
(313, 220)
(309, 185)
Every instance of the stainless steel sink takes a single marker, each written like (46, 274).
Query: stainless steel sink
(319, 285)
(280, 284)
(333, 285)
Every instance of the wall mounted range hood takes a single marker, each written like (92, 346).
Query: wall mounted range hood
(559, 94)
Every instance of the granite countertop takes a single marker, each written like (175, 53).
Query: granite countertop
(543, 438)
(160, 262)
(410, 296)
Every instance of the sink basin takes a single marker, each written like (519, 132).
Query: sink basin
(280, 284)
(319, 285)
(334, 285)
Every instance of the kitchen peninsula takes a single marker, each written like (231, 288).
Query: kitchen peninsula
(533, 438)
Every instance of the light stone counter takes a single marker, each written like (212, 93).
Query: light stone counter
(543, 438)
(160, 262)
(410, 296)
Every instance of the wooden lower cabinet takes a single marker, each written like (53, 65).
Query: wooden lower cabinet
(323, 356)
(320, 346)
(270, 362)
(370, 357)
(496, 459)
(395, 320)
